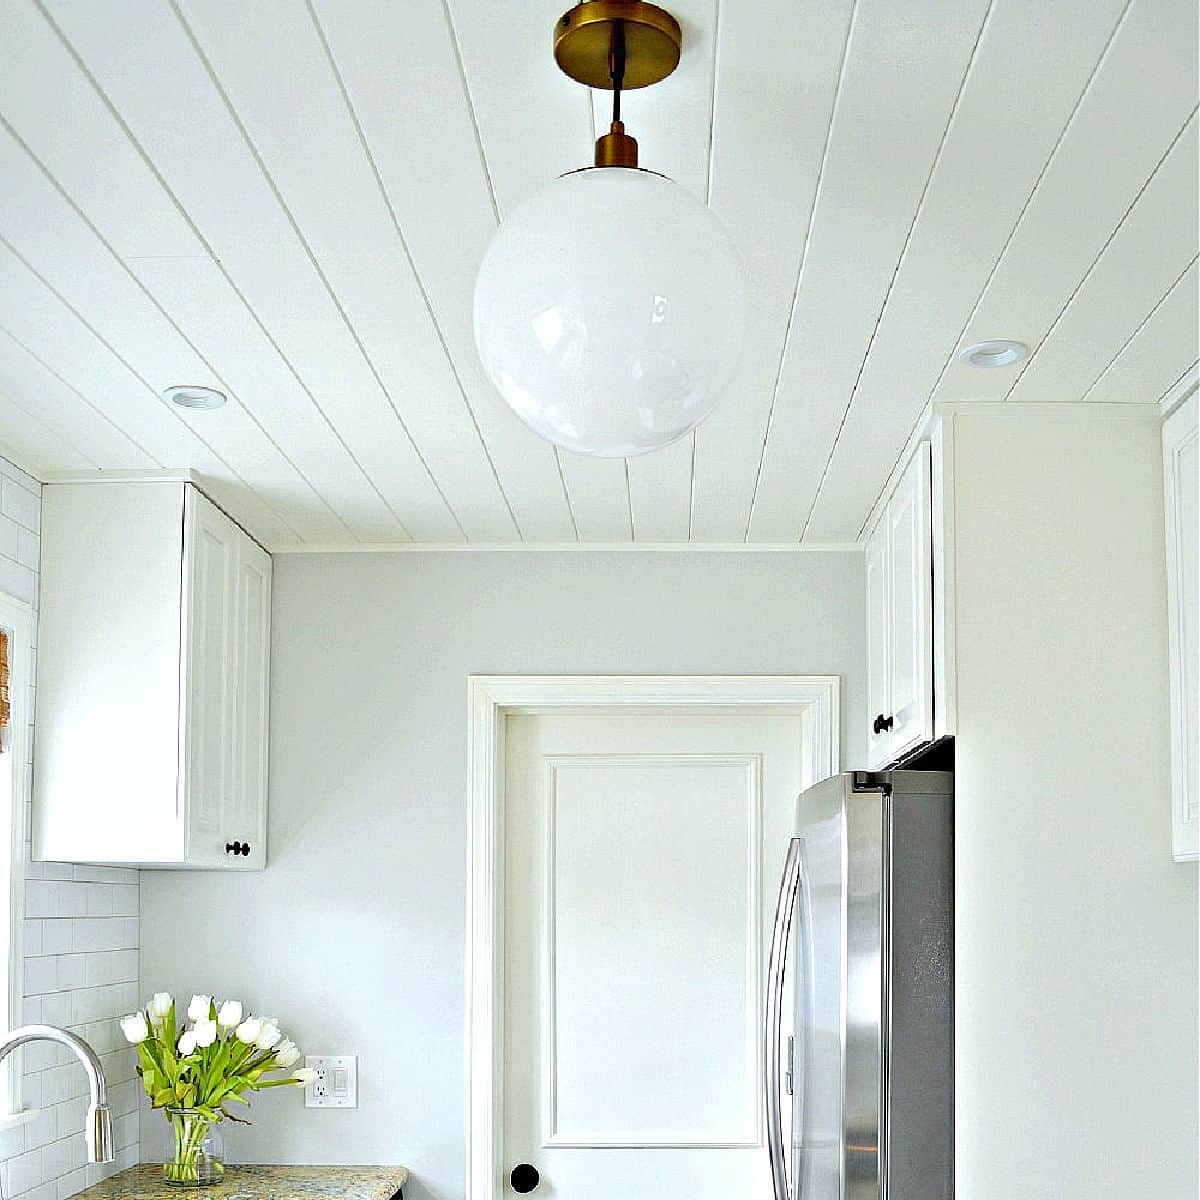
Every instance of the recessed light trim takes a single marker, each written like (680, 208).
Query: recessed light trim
(194, 397)
(995, 353)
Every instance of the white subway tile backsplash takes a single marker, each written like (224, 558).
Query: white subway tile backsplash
(21, 504)
(28, 549)
(105, 933)
(56, 937)
(41, 898)
(73, 899)
(80, 967)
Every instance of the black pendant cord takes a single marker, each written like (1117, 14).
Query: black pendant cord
(616, 66)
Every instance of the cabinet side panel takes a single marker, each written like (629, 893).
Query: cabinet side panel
(106, 755)
(920, 1110)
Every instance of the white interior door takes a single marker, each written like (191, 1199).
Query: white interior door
(642, 853)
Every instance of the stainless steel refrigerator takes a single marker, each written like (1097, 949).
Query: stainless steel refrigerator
(859, 1064)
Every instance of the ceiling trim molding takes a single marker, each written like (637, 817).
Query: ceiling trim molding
(569, 547)
(1179, 391)
(167, 475)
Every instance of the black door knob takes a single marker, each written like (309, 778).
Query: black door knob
(881, 723)
(524, 1177)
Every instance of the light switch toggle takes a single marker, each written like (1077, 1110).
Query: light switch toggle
(336, 1084)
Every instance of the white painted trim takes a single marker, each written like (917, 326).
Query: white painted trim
(1116, 411)
(566, 547)
(491, 699)
(166, 475)
(17, 617)
(1179, 391)
(1180, 429)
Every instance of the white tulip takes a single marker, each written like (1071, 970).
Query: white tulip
(160, 1005)
(135, 1028)
(286, 1054)
(205, 1033)
(198, 1009)
(187, 1043)
(230, 1014)
(249, 1030)
(267, 1036)
(305, 1075)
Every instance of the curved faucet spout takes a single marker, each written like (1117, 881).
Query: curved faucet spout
(98, 1130)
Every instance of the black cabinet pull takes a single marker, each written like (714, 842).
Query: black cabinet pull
(524, 1177)
(881, 723)
(236, 848)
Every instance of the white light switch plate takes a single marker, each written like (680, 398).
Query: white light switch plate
(336, 1084)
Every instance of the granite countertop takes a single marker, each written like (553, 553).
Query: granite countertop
(257, 1183)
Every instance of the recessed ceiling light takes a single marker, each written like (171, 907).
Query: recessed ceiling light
(996, 353)
(194, 397)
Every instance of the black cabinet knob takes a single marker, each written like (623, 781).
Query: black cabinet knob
(236, 848)
(881, 723)
(524, 1177)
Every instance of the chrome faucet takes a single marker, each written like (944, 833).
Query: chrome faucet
(97, 1132)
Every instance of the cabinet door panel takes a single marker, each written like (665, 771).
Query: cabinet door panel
(244, 818)
(209, 557)
(878, 697)
(910, 552)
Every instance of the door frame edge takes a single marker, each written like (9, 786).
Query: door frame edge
(491, 700)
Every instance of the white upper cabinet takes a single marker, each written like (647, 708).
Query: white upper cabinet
(900, 618)
(152, 680)
(1181, 480)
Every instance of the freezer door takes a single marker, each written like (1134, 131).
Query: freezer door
(837, 988)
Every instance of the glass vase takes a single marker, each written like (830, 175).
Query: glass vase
(196, 1155)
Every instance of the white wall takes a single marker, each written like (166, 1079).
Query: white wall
(1076, 932)
(353, 935)
(80, 964)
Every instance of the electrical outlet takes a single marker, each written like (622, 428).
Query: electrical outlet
(336, 1084)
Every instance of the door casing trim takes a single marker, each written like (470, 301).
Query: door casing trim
(491, 700)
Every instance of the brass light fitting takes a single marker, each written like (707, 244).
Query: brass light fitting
(615, 45)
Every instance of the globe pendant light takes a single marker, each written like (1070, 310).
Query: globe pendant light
(610, 308)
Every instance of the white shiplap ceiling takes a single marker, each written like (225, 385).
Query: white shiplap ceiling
(288, 201)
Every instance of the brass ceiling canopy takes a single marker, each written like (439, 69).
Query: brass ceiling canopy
(615, 45)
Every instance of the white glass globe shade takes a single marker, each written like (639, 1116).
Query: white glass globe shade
(609, 311)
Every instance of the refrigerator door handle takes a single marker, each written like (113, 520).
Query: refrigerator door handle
(772, 1047)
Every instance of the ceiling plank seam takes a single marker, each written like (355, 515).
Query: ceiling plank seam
(334, 298)
(209, 365)
(467, 95)
(1033, 191)
(1100, 254)
(385, 195)
(158, 399)
(134, 141)
(812, 213)
(16, 341)
(887, 296)
(1140, 326)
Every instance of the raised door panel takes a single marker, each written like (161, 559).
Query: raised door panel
(1181, 473)
(107, 747)
(910, 573)
(244, 815)
(210, 550)
(878, 697)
